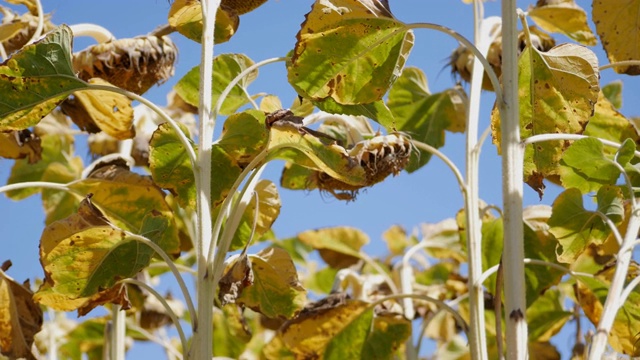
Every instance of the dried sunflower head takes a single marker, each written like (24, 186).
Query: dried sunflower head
(461, 60)
(18, 29)
(132, 64)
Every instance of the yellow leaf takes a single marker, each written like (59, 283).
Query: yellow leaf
(338, 246)
(617, 25)
(564, 17)
(186, 17)
(95, 110)
(20, 144)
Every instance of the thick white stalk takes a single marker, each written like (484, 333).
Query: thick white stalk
(477, 337)
(202, 346)
(118, 329)
(615, 297)
(512, 189)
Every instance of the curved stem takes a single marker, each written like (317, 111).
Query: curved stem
(620, 63)
(492, 270)
(456, 172)
(167, 307)
(406, 274)
(162, 342)
(118, 331)
(628, 289)
(38, 32)
(439, 303)
(426, 322)
(241, 76)
(97, 32)
(38, 184)
(551, 137)
(611, 226)
(179, 267)
(478, 55)
(174, 270)
(186, 143)
(369, 261)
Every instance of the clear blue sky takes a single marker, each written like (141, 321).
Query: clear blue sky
(429, 195)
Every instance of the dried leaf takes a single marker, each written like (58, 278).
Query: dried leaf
(19, 145)
(339, 247)
(20, 319)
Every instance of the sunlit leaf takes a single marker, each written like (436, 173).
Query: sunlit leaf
(546, 316)
(575, 227)
(558, 90)
(623, 337)
(270, 103)
(241, 6)
(171, 167)
(564, 17)
(276, 291)
(126, 198)
(20, 145)
(616, 24)
(30, 4)
(423, 115)
(348, 50)
(227, 67)
(97, 110)
(243, 136)
(85, 255)
(613, 92)
(585, 166)
(20, 318)
(329, 331)
(34, 80)
(609, 124)
(268, 210)
(339, 247)
(186, 17)
(320, 281)
(387, 337)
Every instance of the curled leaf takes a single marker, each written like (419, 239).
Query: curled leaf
(564, 17)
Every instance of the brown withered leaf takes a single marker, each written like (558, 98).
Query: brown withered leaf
(20, 318)
(20, 144)
(236, 277)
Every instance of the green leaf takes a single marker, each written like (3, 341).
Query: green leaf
(613, 92)
(229, 332)
(564, 17)
(37, 78)
(558, 91)
(276, 291)
(423, 115)
(376, 110)
(349, 342)
(492, 238)
(85, 338)
(546, 316)
(576, 228)
(389, 333)
(348, 51)
(616, 24)
(84, 256)
(170, 165)
(320, 281)
(227, 67)
(338, 246)
(243, 136)
(584, 166)
(126, 198)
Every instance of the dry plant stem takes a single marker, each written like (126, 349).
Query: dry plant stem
(497, 308)
(163, 301)
(36, 34)
(615, 295)
(34, 184)
(620, 63)
(512, 189)
(97, 32)
(165, 343)
(550, 137)
(426, 322)
(456, 172)
(202, 346)
(492, 270)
